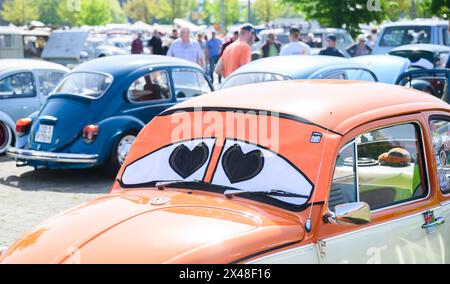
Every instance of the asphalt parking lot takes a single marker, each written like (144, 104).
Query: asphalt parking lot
(29, 197)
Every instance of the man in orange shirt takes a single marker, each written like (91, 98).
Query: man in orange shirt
(238, 53)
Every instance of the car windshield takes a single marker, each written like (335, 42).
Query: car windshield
(252, 78)
(397, 36)
(91, 85)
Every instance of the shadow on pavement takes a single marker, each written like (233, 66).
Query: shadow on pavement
(91, 181)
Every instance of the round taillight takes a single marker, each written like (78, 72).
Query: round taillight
(90, 133)
(23, 126)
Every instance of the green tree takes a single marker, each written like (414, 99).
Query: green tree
(180, 9)
(233, 11)
(48, 12)
(440, 8)
(267, 10)
(147, 10)
(94, 13)
(117, 13)
(348, 14)
(20, 12)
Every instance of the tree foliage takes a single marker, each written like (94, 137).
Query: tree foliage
(233, 11)
(19, 12)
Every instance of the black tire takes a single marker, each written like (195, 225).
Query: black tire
(6, 137)
(113, 164)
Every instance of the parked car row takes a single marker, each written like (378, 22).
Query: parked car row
(352, 176)
(309, 171)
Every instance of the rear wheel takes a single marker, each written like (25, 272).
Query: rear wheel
(120, 152)
(6, 137)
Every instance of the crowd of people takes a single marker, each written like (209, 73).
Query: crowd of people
(223, 58)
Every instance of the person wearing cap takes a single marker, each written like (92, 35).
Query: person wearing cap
(295, 46)
(187, 49)
(272, 47)
(239, 53)
(331, 49)
(361, 48)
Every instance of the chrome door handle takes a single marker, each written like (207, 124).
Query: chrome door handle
(439, 221)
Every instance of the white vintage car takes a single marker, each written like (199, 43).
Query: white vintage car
(24, 87)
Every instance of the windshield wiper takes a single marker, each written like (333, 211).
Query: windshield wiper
(279, 193)
(162, 185)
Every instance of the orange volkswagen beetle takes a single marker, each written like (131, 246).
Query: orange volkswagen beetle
(283, 172)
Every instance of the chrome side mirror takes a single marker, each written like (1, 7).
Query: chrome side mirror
(352, 214)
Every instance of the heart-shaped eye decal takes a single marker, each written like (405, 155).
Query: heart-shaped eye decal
(186, 162)
(240, 167)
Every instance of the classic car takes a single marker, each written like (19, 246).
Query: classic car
(93, 116)
(22, 43)
(24, 88)
(424, 56)
(78, 46)
(419, 31)
(279, 172)
(398, 70)
(299, 67)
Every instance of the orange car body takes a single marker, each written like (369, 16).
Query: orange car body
(141, 223)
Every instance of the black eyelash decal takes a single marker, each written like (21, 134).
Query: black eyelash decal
(240, 167)
(186, 162)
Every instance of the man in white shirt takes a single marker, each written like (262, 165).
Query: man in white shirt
(188, 49)
(295, 46)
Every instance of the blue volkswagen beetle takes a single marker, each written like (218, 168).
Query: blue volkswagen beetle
(94, 115)
(299, 67)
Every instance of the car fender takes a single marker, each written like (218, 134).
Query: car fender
(115, 128)
(9, 122)
(22, 141)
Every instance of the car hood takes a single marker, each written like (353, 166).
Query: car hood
(127, 228)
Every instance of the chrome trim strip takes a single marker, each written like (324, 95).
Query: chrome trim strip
(261, 259)
(31, 155)
(370, 227)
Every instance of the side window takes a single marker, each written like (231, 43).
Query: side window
(388, 166)
(48, 80)
(17, 86)
(186, 84)
(359, 75)
(446, 35)
(151, 87)
(6, 41)
(440, 130)
(336, 76)
(343, 188)
(204, 85)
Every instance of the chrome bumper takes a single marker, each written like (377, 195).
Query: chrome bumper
(30, 155)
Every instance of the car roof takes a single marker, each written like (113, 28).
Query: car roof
(387, 67)
(416, 22)
(297, 67)
(352, 103)
(125, 64)
(424, 47)
(26, 64)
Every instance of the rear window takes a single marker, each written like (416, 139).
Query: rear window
(397, 36)
(91, 85)
(253, 78)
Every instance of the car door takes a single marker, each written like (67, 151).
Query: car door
(440, 136)
(150, 95)
(20, 90)
(385, 165)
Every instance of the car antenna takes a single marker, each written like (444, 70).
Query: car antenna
(308, 225)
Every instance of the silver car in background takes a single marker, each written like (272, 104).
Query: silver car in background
(24, 87)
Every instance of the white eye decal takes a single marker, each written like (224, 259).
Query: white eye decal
(182, 161)
(251, 168)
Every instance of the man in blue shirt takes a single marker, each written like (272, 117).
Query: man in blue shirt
(331, 49)
(214, 46)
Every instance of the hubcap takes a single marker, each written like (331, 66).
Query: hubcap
(4, 136)
(124, 147)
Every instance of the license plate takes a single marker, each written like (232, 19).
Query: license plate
(44, 134)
